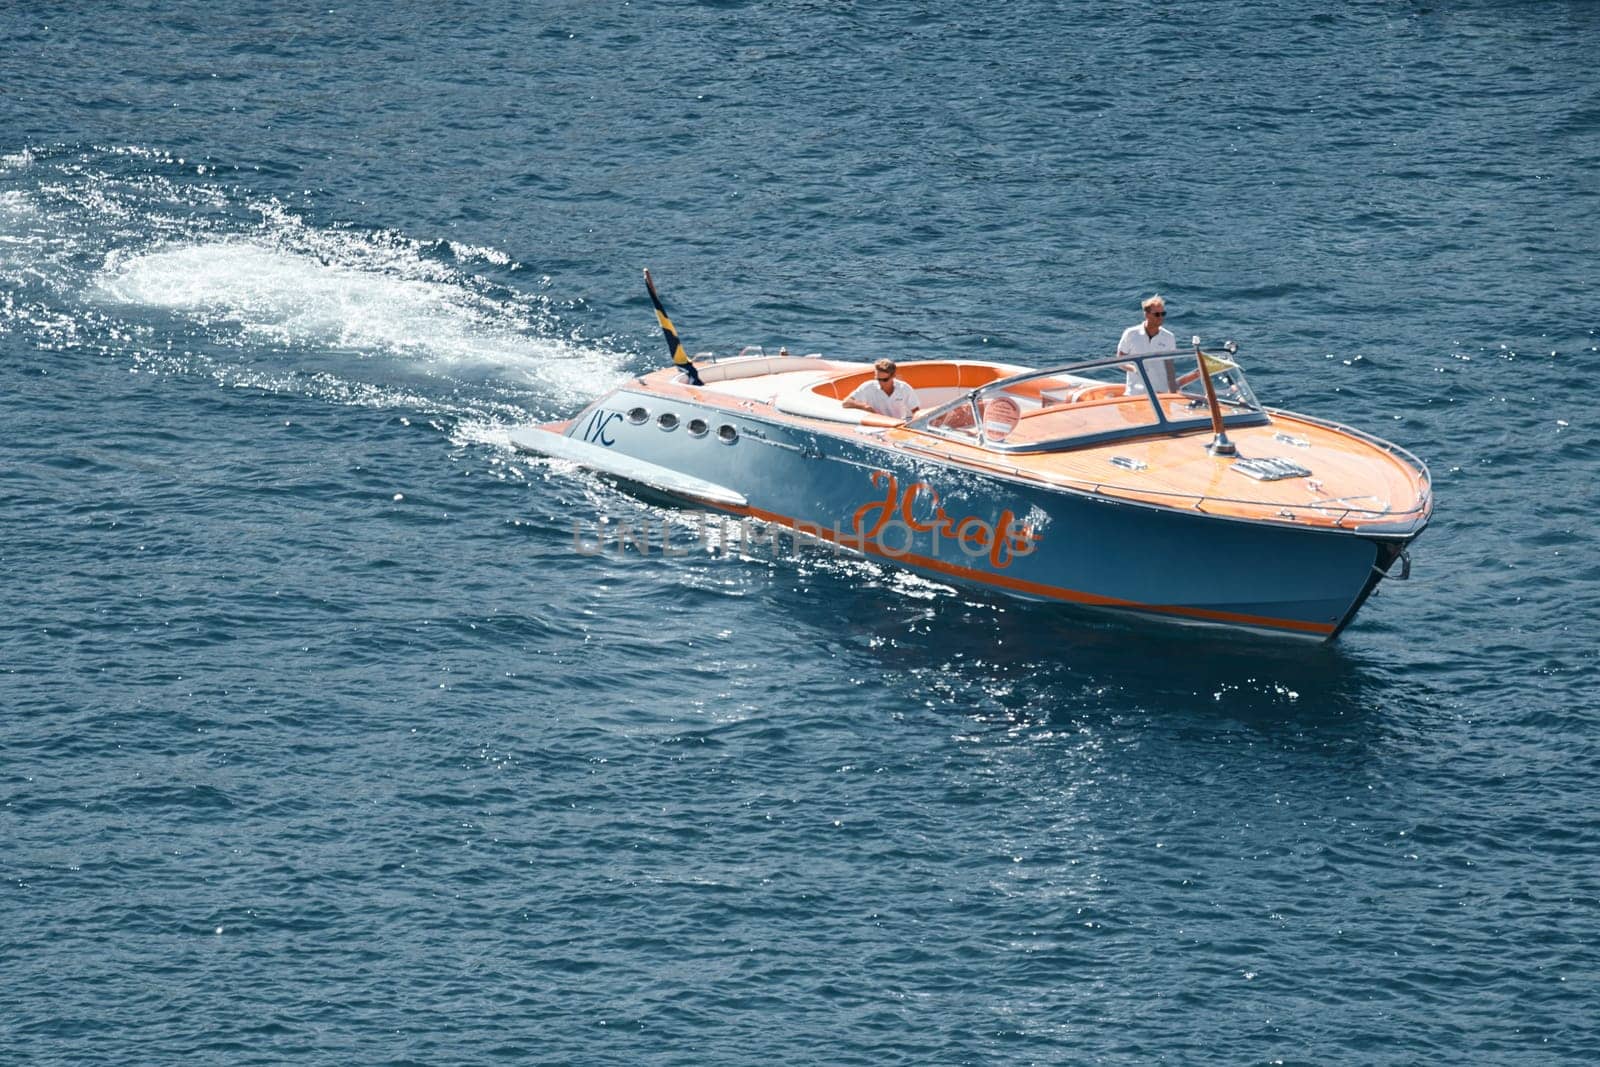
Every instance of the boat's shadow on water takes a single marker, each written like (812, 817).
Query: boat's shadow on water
(1061, 662)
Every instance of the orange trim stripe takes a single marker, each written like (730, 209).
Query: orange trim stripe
(1022, 585)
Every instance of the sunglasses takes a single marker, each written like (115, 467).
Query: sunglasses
(884, 377)
(1157, 314)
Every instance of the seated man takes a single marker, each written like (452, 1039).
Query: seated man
(883, 394)
(1150, 338)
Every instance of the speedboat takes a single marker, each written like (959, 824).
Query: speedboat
(1157, 485)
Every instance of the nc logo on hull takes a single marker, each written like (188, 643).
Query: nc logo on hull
(598, 429)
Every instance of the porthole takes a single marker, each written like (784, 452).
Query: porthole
(698, 427)
(667, 421)
(637, 415)
(727, 433)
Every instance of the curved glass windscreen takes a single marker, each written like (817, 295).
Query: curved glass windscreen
(1094, 401)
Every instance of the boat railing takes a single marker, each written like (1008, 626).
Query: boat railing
(1424, 475)
(1341, 515)
(1404, 455)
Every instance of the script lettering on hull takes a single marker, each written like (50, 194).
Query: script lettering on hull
(1001, 541)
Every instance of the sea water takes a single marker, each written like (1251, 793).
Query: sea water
(322, 739)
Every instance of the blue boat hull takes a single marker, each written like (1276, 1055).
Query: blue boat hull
(1001, 532)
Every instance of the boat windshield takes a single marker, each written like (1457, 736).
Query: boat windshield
(1086, 403)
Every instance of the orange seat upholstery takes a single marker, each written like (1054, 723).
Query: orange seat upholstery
(933, 374)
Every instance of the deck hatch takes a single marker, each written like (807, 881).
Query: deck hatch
(1270, 469)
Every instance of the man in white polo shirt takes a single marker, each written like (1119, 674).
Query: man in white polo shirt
(1147, 338)
(883, 394)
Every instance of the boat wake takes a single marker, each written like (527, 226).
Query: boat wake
(132, 254)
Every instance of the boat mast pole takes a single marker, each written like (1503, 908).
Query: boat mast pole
(674, 345)
(1220, 445)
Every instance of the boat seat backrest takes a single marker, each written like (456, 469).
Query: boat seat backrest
(939, 395)
(936, 374)
(759, 365)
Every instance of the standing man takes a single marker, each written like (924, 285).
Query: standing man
(883, 394)
(1148, 338)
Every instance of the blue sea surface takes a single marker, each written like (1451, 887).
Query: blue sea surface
(323, 740)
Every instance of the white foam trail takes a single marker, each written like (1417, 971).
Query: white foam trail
(19, 244)
(334, 312)
(292, 297)
(480, 431)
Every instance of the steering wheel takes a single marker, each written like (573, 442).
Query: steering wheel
(1094, 392)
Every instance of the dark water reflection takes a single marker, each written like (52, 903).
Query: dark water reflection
(1059, 663)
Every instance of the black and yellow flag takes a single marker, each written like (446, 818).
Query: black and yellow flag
(674, 345)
